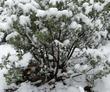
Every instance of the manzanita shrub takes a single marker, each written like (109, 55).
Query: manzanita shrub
(49, 31)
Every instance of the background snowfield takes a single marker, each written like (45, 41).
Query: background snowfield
(101, 85)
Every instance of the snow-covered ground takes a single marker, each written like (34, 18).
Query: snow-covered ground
(101, 85)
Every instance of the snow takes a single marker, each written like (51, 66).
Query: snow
(1, 35)
(66, 42)
(58, 43)
(25, 60)
(4, 26)
(13, 17)
(88, 8)
(107, 1)
(41, 13)
(98, 23)
(64, 12)
(79, 67)
(13, 58)
(53, 12)
(102, 85)
(50, 57)
(27, 7)
(74, 25)
(103, 33)
(24, 20)
(9, 3)
(3, 83)
(4, 50)
(84, 18)
(91, 1)
(81, 89)
(98, 7)
(26, 87)
(6, 22)
(11, 35)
